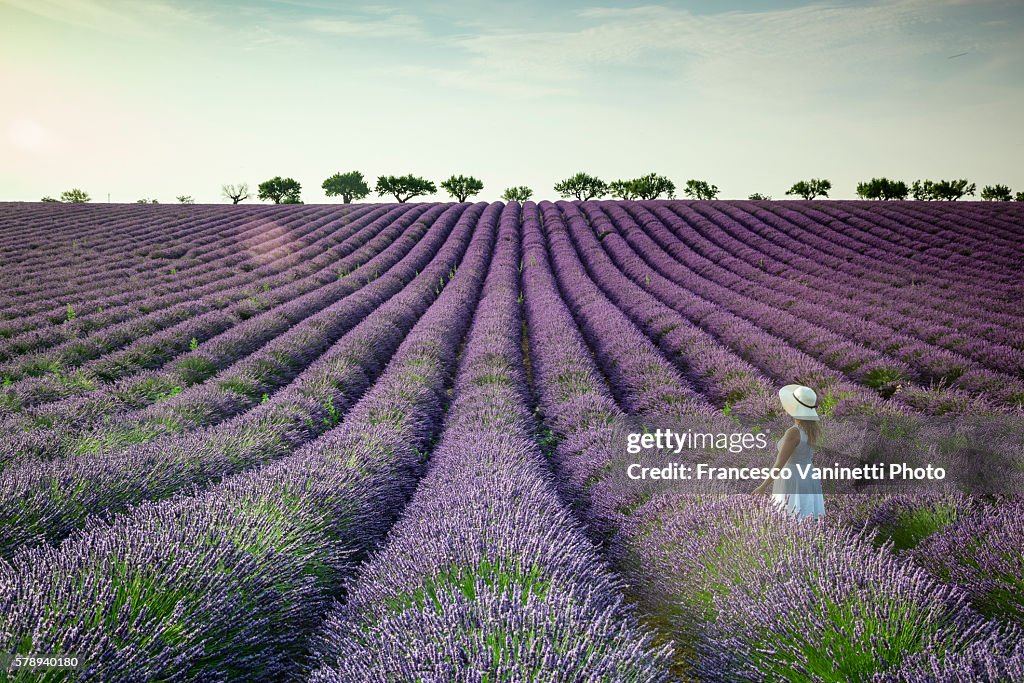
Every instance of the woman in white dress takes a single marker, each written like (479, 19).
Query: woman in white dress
(799, 495)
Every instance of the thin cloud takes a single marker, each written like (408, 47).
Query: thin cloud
(137, 18)
(805, 49)
(83, 13)
(470, 80)
(393, 26)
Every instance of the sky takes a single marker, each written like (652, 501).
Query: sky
(138, 99)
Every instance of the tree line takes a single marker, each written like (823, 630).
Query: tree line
(352, 186)
(933, 190)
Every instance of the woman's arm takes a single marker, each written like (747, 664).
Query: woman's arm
(789, 443)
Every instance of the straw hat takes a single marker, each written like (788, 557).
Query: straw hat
(799, 401)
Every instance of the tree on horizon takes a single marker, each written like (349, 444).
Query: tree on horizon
(650, 186)
(236, 193)
(809, 189)
(462, 187)
(883, 189)
(699, 189)
(348, 186)
(405, 187)
(280, 190)
(582, 186)
(936, 190)
(996, 193)
(75, 196)
(519, 193)
(622, 189)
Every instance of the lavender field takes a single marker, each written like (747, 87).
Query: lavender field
(377, 442)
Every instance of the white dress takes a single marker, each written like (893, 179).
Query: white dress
(800, 496)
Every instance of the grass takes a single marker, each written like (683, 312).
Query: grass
(195, 369)
(572, 383)
(880, 378)
(334, 415)
(123, 437)
(827, 403)
(916, 524)
(40, 367)
(506, 578)
(152, 390)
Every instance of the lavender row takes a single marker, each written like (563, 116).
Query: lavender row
(585, 455)
(19, 218)
(961, 539)
(718, 374)
(1000, 222)
(833, 290)
(574, 400)
(249, 292)
(805, 233)
(53, 327)
(246, 295)
(260, 372)
(867, 366)
(977, 224)
(583, 415)
(761, 596)
(46, 500)
(125, 301)
(231, 328)
(261, 553)
(27, 235)
(830, 297)
(982, 553)
(626, 356)
(167, 281)
(938, 290)
(930, 246)
(942, 241)
(202, 228)
(776, 355)
(105, 228)
(635, 254)
(108, 277)
(762, 351)
(578, 399)
(895, 258)
(998, 346)
(57, 429)
(487, 576)
(583, 418)
(579, 408)
(809, 252)
(97, 237)
(956, 232)
(950, 324)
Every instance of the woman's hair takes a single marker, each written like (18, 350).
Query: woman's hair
(812, 428)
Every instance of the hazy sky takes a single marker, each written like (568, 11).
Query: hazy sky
(147, 99)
